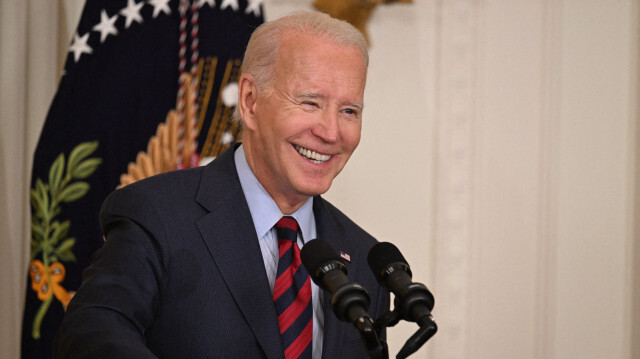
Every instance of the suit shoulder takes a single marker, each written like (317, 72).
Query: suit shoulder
(166, 185)
(173, 180)
(155, 192)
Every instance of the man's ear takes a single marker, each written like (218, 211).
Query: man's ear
(247, 98)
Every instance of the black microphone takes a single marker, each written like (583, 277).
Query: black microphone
(349, 300)
(413, 300)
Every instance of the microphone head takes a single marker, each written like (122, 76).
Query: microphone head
(318, 258)
(393, 273)
(385, 258)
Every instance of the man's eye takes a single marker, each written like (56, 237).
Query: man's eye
(310, 103)
(349, 111)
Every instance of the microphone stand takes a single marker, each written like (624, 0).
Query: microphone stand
(426, 323)
(414, 305)
(427, 329)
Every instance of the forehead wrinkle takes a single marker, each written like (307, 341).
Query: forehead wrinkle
(316, 95)
(312, 95)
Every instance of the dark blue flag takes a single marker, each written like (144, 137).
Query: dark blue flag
(120, 83)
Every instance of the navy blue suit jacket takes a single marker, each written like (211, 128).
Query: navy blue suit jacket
(181, 275)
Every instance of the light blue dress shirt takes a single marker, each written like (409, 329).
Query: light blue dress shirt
(265, 214)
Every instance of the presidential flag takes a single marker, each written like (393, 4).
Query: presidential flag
(148, 86)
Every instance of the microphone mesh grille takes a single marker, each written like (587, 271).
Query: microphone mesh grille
(315, 253)
(381, 255)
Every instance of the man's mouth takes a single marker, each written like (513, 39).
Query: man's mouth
(311, 155)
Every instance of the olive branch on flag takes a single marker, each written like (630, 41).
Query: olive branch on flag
(49, 236)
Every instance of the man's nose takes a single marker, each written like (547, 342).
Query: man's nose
(327, 127)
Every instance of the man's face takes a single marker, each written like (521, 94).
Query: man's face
(307, 125)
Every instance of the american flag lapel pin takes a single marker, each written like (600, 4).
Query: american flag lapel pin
(345, 256)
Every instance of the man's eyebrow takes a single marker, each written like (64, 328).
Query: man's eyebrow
(356, 105)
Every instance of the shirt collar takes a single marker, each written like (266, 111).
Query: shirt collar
(263, 208)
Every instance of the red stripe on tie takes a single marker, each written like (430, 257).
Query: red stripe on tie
(281, 285)
(301, 343)
(283, 246)
(293, 312)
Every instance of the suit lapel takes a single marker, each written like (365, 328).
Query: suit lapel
(329, 230)
(229, 234)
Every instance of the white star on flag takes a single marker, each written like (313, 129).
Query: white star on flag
(160, 5)
(253, 7)
(106, 26)
(226, 3)
(211, 3)
(79, 46)
(132, 13)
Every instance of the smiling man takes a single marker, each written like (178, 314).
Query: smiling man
(204, 263)
(301, 129)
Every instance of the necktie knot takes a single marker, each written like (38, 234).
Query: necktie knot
(287, 228)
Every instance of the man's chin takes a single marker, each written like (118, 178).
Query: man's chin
(315, 190)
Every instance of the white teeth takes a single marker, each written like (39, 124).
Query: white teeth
(312, 155)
